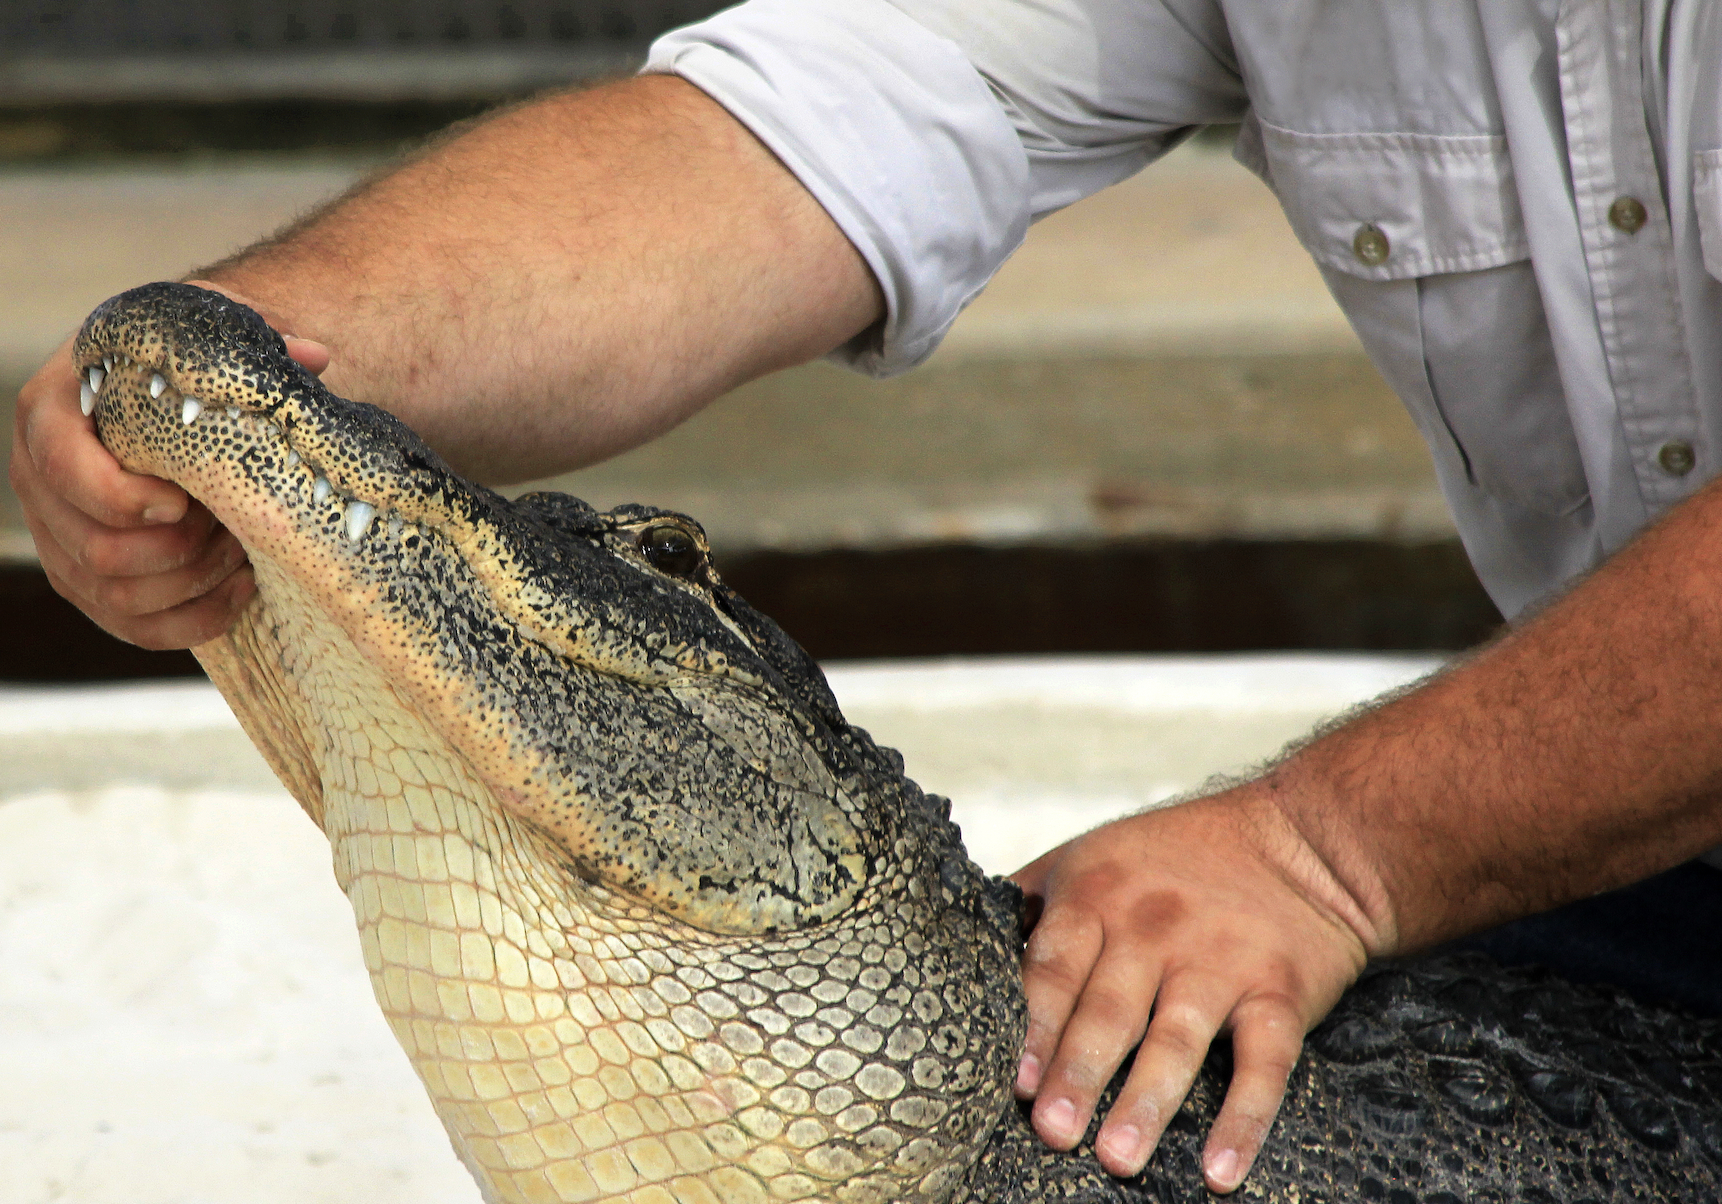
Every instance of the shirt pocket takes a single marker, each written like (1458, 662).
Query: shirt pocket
(1707, 202)
(1423, 243)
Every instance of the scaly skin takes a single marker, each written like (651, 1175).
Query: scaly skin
(655, 924)
(603, 994)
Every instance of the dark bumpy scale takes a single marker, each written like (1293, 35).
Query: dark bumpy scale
(1410, 1091)
(686, 767)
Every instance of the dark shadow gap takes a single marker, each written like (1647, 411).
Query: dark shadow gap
(1218, 596)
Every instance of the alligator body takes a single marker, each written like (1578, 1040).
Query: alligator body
(655, 924)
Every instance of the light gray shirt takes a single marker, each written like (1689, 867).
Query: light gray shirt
(1518, 203)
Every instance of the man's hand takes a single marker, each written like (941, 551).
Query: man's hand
(1218, 916)
(135, 553)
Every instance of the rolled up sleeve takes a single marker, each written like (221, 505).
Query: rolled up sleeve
(935, 131)
(891, 130)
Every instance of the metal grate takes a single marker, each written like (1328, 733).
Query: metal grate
(77, 28)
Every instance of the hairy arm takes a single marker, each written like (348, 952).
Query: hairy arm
(553, 285)
(1580, 753)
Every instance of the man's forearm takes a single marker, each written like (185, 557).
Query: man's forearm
(1579, 753)
(567, 279)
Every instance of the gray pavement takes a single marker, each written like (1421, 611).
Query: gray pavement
(1161, 360)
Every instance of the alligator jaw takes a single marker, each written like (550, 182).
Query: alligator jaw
(479, 620)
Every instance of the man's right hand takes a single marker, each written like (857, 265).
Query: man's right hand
(137, 554)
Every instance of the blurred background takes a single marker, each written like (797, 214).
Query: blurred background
(1153, 433)
(1146, 516)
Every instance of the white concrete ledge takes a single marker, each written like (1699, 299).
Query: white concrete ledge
(184, 1014)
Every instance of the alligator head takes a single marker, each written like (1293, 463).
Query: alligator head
(651, 920)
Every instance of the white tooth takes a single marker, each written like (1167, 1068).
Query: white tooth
(233, 411)
(292, 459)
(190, 410)
(320, 489)
(86, 398)
(359, 515)
(157, 385)
(396, 525)
(97, 376)
(108, 362)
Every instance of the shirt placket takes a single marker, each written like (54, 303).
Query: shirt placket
(1628, 246)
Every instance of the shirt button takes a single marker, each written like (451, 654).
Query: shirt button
(1627, 213)
(1370, 245)
(1676, 457)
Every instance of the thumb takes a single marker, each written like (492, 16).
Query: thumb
(308, 353)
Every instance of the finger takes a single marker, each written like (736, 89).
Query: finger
(186, 625)
(91, 548)
(310, 354)
(1267, 1037)
(61, 456)
(1031, 878)
(1056, 961)
(1108, 1021)
(1187, 1014)
(115, 600)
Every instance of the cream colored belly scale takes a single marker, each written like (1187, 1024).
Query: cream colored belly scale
(575, 1047)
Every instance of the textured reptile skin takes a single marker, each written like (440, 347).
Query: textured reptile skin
(655, 924)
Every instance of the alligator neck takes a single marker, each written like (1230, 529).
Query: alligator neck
(579, 1047)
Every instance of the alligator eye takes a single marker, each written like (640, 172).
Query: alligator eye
(671, 550)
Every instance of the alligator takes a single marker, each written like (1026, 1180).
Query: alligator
(654, 923)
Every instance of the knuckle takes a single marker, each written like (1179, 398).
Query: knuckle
(1060, 976)
(1112, 1008)
(102, 556)
(61, 584)
(1273, 1016)
(17, 471)
(1181, 1034)
(118, 597)
(1061, 952)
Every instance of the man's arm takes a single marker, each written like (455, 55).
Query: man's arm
(1580, 753)
(559, 283)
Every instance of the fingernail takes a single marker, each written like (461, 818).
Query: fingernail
(1123, 1145)
(159, 514)
(1028, 1074)
(1223, 1169)
(1060, 1118)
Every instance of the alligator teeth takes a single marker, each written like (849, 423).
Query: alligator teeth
(97, 376)
(157, 385)
(190, 410)
(320, 489)
(107, 363)
(292, 459)
(86, 398)
(233, 411)
(358, 519)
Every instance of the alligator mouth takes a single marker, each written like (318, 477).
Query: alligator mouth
(227, 428)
